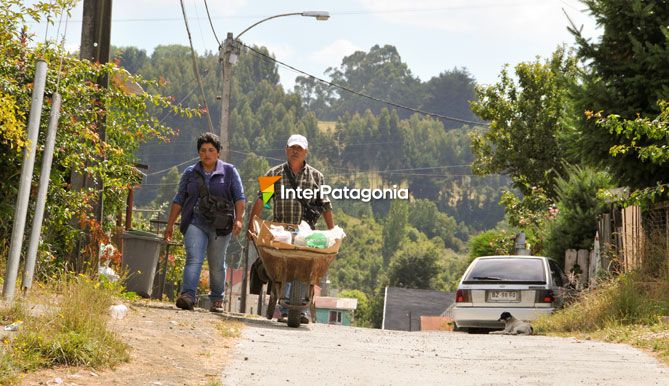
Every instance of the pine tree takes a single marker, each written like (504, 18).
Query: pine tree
(627, 73)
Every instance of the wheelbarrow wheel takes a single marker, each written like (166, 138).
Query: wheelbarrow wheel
(295, 299)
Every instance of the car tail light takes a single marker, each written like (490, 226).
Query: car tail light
(463, 296)
(545, 296)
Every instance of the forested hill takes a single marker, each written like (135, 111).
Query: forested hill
(354, 140)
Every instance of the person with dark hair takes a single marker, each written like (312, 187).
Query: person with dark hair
(210, 199)
(296, 173)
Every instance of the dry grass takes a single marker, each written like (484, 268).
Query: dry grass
(628, 309)
(71, 331)
(230, 328)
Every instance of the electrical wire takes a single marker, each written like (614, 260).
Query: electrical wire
(351, 91)
(211, 24)
(196, 69)
(62, 47)
(168, 169)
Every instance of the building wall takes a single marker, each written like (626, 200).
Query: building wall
(323, 316)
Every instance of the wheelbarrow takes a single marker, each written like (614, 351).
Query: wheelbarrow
(301, 267)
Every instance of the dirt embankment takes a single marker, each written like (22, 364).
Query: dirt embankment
(167, 347)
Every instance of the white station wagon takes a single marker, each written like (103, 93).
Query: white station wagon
(525, 286)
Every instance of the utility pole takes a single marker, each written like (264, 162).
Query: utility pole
(95, 44)
(520, 246)
(226, 58)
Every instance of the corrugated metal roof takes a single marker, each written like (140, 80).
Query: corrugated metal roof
(335, 303)
(404, 307)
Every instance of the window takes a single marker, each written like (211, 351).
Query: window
(335, 317)
(557, 273)
(525, 270)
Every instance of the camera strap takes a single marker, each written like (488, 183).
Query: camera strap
(227, 177)
(293, 183)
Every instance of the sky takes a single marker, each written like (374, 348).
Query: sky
(431, 36)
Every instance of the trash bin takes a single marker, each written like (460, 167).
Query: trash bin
(140, 256)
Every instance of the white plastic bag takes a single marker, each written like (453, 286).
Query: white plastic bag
(118, 311)
(108, 272)
(280, 234)
(333, 235)
(304, 231)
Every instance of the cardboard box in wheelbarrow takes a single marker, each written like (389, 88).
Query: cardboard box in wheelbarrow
(140, 257)
(284, 262)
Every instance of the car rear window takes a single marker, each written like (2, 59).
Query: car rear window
(530, 271)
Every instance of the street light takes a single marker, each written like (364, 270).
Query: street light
(228, 57)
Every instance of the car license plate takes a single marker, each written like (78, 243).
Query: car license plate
(503, 296)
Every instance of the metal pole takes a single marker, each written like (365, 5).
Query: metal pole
(232, 280)
(260, 299)
(519, 246)
(45, 175)
(226, 69)
(25, 181)
(242, 305)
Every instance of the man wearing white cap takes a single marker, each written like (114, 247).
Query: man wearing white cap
(296, 173)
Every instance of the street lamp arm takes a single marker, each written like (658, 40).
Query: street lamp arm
(268, 18)
(319, 15)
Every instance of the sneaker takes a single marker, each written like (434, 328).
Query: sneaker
(216, 306)
(185, 302)
(304, 319)
(283, 318)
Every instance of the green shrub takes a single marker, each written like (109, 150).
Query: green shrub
(490, 243)
(579, 206)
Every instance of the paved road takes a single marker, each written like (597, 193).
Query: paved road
(273, 354)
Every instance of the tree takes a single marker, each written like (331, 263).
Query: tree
(526, 118)
(361, 315)
(130, 58)
(627, 74)
(426, 217)
(394, 229)
(379, 73)
(578, 208)
(130, 120)
(450, 94)
(414, 266)
(168, 187)
(490, 243)
(653, 152)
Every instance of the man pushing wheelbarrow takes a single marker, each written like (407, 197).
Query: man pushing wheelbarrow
(284, 263)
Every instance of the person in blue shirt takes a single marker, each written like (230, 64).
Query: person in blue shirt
(208, 179)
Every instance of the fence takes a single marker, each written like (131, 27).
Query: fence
(620, 241)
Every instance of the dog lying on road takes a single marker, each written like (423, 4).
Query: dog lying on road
(513, 326)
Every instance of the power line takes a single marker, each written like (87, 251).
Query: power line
(355, 92)
(342, 13)
(168, 169)
(211, 24)
(195, 67)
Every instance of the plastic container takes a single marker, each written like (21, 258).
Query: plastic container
(140, 257)
(317, 240)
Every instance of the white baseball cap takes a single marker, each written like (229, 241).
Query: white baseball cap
(297, 139)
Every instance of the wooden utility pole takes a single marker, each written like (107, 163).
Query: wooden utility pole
(95, 44)
(225, 56)
(95, 47)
